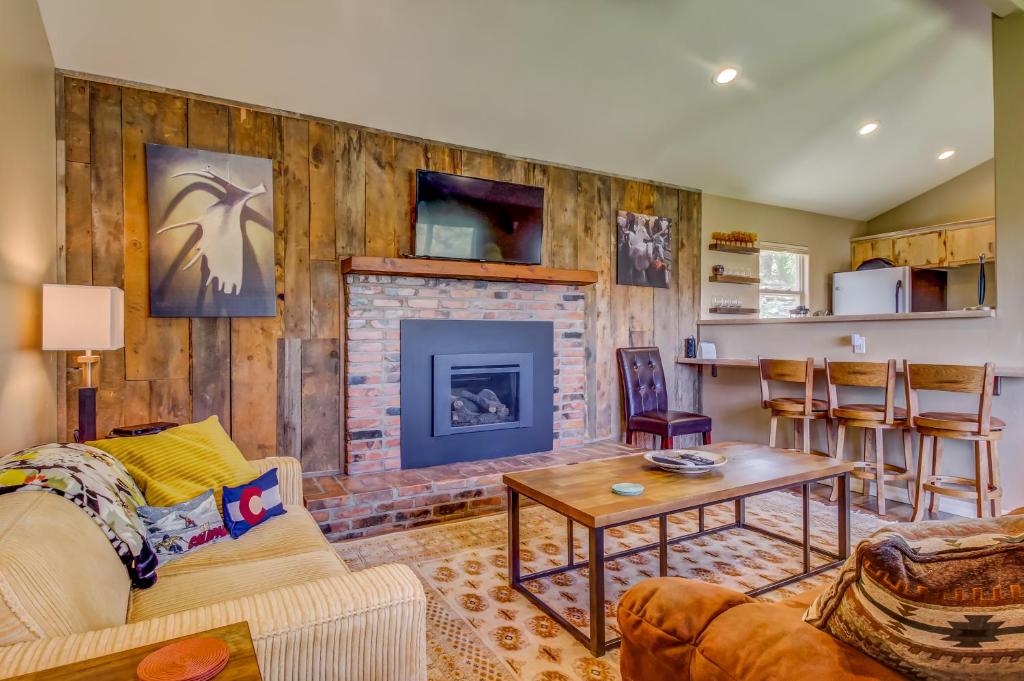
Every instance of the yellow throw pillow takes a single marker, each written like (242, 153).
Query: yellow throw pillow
(181, 463)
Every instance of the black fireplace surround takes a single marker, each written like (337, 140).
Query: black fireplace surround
(475, 390)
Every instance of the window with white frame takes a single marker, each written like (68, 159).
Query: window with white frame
(783, 271)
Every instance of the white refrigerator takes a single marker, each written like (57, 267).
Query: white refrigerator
(878, 291)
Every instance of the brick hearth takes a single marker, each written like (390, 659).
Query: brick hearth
(349, 506)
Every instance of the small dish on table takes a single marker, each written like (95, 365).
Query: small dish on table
(688, 461)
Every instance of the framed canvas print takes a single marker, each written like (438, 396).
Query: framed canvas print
(211, 233)
(644, 250)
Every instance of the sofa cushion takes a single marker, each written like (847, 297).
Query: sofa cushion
(181, 463)
(285, 551)
(175, 531)
(931, 598)
(58, 572)
(293, 533)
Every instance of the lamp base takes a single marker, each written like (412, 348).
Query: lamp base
(86, 415)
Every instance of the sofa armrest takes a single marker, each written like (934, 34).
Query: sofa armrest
(661, 620)
(370, 625)
(289, 476)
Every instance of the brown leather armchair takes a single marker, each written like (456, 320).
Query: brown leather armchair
(645, 400)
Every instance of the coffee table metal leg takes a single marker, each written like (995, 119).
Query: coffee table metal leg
(570, 558)
(663, 544)
(515, 568)
(805, 494)
(700, 519)
(844, 514)
(741, 511)
(597, 592)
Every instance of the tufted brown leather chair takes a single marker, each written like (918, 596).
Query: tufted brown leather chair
(645, 400)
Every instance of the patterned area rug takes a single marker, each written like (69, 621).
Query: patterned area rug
(480, 629)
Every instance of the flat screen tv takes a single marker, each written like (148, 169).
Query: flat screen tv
(466, 218)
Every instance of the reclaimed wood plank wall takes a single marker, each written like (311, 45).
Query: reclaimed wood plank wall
(339, 190)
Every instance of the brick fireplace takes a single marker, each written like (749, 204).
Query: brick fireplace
(376, 305)
(375, 493)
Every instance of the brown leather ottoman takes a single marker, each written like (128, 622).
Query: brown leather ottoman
(675, 629)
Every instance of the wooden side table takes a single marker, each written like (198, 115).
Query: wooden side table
(242, 664)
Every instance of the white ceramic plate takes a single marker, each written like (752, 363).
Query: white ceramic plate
(684, 466)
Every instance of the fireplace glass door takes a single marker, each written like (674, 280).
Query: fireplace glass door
(474, 392)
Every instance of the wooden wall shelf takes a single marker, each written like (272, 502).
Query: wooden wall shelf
(743, 250)
(733, 310)
(732, 279)
(458, 269)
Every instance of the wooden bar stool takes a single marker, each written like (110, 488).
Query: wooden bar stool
(804, 409)
(980, 427)
(876, 418)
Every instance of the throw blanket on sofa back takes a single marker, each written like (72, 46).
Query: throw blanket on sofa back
(98, 484)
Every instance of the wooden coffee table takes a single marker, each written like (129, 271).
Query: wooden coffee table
(582, 493)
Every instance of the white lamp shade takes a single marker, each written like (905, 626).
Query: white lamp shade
(82, 317)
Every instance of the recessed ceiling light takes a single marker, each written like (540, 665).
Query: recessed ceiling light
(948, 153)
(869, 127)
(727, 75)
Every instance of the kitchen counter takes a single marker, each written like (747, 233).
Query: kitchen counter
(889, 317)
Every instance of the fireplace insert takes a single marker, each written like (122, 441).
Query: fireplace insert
(475, 390)
(488, 391)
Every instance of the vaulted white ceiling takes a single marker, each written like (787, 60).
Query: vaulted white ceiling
(622, 86)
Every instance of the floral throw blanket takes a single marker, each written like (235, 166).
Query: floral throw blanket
(98, 484)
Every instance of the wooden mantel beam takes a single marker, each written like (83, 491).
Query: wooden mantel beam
(458, 269)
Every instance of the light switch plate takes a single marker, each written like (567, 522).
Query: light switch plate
(859, 343)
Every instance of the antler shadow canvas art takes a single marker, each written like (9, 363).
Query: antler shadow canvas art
(211, 233)
(644, 250)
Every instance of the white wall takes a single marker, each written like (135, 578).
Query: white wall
(827, 239)
(27, 225)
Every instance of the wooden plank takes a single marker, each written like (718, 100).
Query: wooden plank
(322, 168)
(381, 235)
(618, 305)
(595, 241)
(107, 185)
(169, 400)
(154, 347)
(350, 193)
(665, 301)
(289, 397)
(254, 340)
(639, 198)
(560, 228)
(78, 217)
(295, 135)
(409, 157)
(444, 159)
(495, 167)
(209, 128)
(324, 288)
(688, 385)
(76, 121)
(455, 269)
(321, 410)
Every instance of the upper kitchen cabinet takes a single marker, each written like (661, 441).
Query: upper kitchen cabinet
(866, 250)
(927, 249)
(965, 245)
(949, 245)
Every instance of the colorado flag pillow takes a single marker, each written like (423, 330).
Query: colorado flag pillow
(246, 506)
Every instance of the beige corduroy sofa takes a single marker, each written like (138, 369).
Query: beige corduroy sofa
(65, 596)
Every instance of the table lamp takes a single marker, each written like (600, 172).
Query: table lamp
(83, 318)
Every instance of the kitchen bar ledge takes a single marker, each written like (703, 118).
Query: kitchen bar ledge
(890, 317)
(1001, 371)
